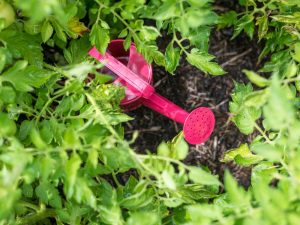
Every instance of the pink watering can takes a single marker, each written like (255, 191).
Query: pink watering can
(131, 70)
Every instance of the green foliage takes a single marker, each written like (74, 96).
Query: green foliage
(272, 111)
(62, 149)
(191, 20)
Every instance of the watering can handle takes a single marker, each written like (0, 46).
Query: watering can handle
(132, 79)
(165, 107)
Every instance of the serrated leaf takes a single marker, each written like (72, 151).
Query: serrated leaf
(267, 151)
(200, 176)
(24, 45)
(71, 168)
(78, 50)
(279, 111)
(76, 26)
(172, 58)
(195, 18)
(263, 27)
(179, 147)
(256, 78)
(123, 33)
(149, 33)
(48, 194)
(46, 31)
(242, 156)
(167, 10)
(143, 218)
(7, 94)
(25, 78)
(99, 37)
(236, 194)
(244, 23)
(245, 120)
(296, 55)
(256, 99)
(8, 126)
(203, 62)
(163, 149)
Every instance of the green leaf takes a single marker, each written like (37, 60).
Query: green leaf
(203, 62)
(244, 115)
(236, 194)
(279, 111)
(163, 149)
(127, 42)
(25, 78)
(179, 147)
(167, 10)
(7, 94)
(151, 53)
(137, 195)
(38, 10)
(93, 157)
(46, 31)
(168, 180)
(227, 19)
(8, 126)
(267, 151)
(123, 33)
(200, 176)
(46, 131)
(149, 33)
(291, 70)
(256, 99)
(48, 194)
(23, 45)
(245, 119)
(195, 18)
(242, 156)
(71, 168)
(244, 23)
(256, 79)
(143, 218)
(37, 139)
(172, 58)
(27, 190)
(263, 26)
(200, 37)
(59, 33)
(198, 3)
(100, 38)
(287, 18)
(296, 55)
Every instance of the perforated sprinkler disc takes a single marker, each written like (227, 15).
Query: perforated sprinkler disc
(199, 125)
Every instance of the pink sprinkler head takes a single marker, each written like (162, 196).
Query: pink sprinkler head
(199, 125)
(131, 70)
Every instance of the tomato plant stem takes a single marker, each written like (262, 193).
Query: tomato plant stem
(34, 218)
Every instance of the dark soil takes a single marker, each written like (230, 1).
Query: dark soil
(190, 88)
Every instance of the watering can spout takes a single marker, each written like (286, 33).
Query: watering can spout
(197, 125)
(165, 107)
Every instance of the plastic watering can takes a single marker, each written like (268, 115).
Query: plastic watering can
(131, 70)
